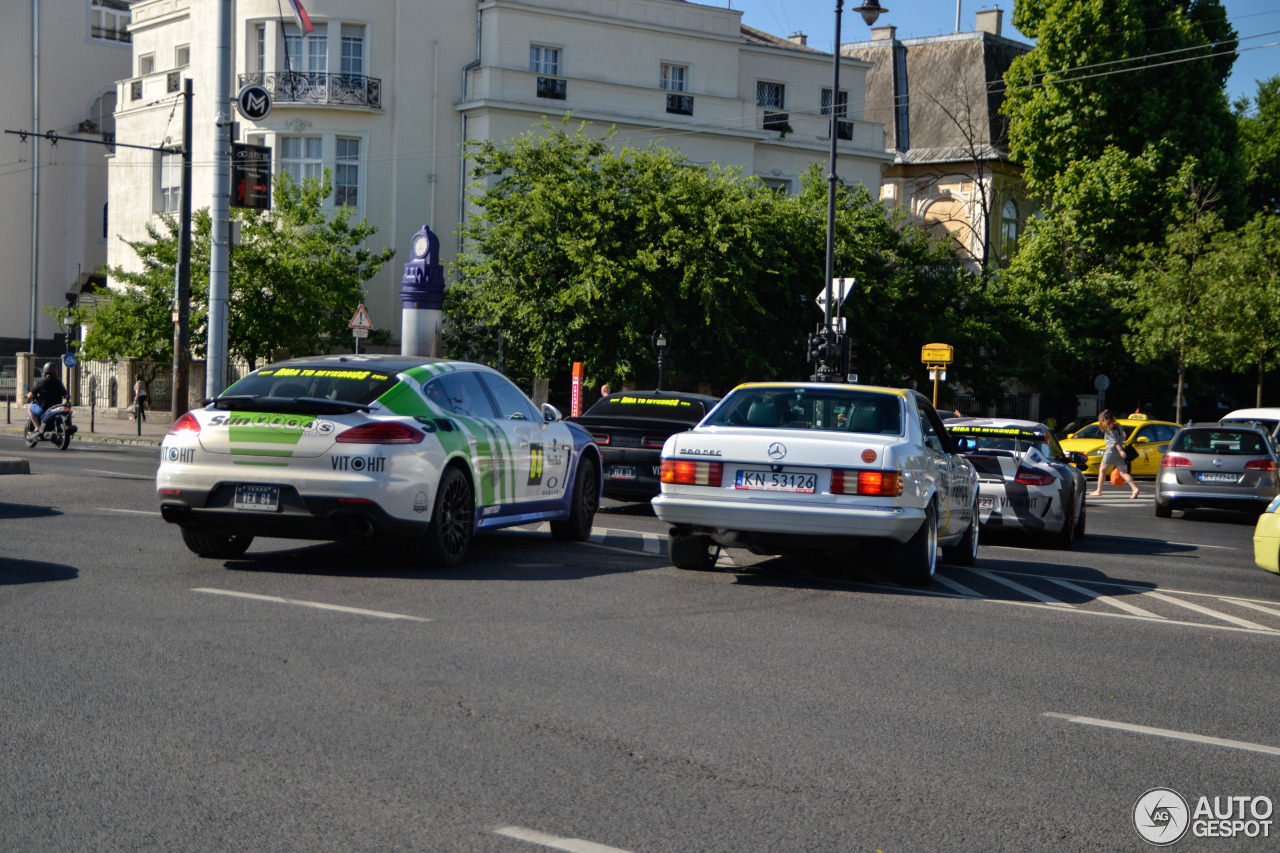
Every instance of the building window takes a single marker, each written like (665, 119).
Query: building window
(260, 47)
(346, 173)
(109, 20)
(306, 52)
(170, 183)
(103, 238)
(545, 60)
(770, 95)
(146, 64)
(673, 77)
(1009, 228)
(182, 56)
(842, 103)
(352, 49)
(781, 186)
(300, 157)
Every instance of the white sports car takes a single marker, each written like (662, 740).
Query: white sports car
(1025, 479)
(780, 467)
(422, 450)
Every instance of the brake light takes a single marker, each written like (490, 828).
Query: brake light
(186, 423)
(1175, 462)
(867, 483)
(382, 432)
(1261, 465)
(652, 442)
(689, 473)
(601, 438)
(361, 501)
(1029, 477)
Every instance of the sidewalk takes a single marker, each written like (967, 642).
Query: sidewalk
(108, 425)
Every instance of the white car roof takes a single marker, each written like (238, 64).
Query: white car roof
(1263, 414)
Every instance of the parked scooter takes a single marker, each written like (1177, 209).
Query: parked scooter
(55, 426)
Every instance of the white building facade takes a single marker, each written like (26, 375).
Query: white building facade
(385, 93)
(60, 62)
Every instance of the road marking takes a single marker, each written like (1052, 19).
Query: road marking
(1105, 599)
(1234, 620)
(1194, 545)
(652, 544)
(118, 474)
(315, 604)
(1017, 587)
(957, 586)
(1169, 733)
(572, 845)
(1243, 603)
(129, 511)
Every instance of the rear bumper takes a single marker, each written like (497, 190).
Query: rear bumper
(1184, 499)
(741, 523)
(297, 517)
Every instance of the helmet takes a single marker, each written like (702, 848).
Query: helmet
(49, 367)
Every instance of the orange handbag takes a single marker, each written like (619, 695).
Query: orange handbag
(1116, 478)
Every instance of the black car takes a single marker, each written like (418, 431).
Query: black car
(630, 428)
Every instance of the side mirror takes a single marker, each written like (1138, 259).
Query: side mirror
(1142, 439)
(1078, 459)
(551, 414)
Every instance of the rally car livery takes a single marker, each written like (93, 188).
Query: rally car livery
(1025, 478)
(422, 450)
(782, 467)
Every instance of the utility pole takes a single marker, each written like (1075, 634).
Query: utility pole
(220, 252)
(182, 306)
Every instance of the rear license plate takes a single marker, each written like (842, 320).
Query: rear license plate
(771, 481)
(986, 502)
(622, 472)
(258, 498)
(1218, 477)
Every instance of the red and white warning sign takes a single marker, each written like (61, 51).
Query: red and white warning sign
(360, 320)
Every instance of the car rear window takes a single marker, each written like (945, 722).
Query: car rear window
(834, 409)
(1220, 442)
(657, 408)
(319, 381)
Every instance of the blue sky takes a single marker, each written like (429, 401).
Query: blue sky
(1257, 22)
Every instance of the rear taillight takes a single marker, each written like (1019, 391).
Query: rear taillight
(601, 438)
(652, 442)
(1029, 477)
(1175, 462)
(1261, 465)
(186, 423)
(869, 483)
(381, 433)
(687, 473)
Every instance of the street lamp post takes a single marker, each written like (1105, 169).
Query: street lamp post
(661, 343)
(828, 347)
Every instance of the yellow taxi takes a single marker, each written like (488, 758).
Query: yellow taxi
(1266, 538)
(1150, 438)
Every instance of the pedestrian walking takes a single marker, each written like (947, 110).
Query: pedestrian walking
(1113, 434)
(139, 399)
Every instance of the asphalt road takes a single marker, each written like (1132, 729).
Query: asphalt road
(592, 698)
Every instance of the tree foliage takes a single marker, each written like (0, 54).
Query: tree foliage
(1246, 268)
(295, 278)
(1260, 145)
(579, 250)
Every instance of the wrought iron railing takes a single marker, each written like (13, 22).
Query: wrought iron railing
(551, 87)
(775, 120)
(680, 104)
(111, 33)
(318, 87)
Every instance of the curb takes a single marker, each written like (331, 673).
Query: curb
(11, 465)
(103, 438)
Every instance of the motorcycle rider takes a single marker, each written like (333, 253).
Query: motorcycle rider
(48, 391)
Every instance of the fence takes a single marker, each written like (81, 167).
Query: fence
(109, 384)
(9, 378)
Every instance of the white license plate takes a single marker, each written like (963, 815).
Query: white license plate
(1219, 477)
(986, 502)
(258, 498)
(622, 472)
(773, 481)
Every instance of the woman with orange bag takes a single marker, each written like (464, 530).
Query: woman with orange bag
(1114, 454)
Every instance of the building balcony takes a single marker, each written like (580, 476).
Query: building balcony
(681, 105)
(318, 87)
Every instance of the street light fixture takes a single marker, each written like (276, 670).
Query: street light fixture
(662, 344)
(828, 346)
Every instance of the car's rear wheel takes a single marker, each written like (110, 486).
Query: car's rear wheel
(1163, 510)
(1067, 535)
(448, 535)
(216, 545)
(582, 506)
(916, 560)
(692, 552)
(1080, 522)
(965, 552)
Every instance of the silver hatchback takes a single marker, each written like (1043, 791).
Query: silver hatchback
(1218, 466)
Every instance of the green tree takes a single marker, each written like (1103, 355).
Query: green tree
(1260, 145)
(1246, 266)
(295, 278)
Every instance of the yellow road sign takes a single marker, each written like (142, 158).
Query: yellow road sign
(936, 354)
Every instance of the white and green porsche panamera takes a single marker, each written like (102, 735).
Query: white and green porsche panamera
(422, 450)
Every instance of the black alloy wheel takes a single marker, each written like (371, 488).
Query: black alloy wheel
(582, 506)
(218, 546)
(452, 521)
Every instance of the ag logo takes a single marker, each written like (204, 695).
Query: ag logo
(1161, 816)
(254, 102)
(420, 503)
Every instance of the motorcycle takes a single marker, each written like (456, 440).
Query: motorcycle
(55, 426)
